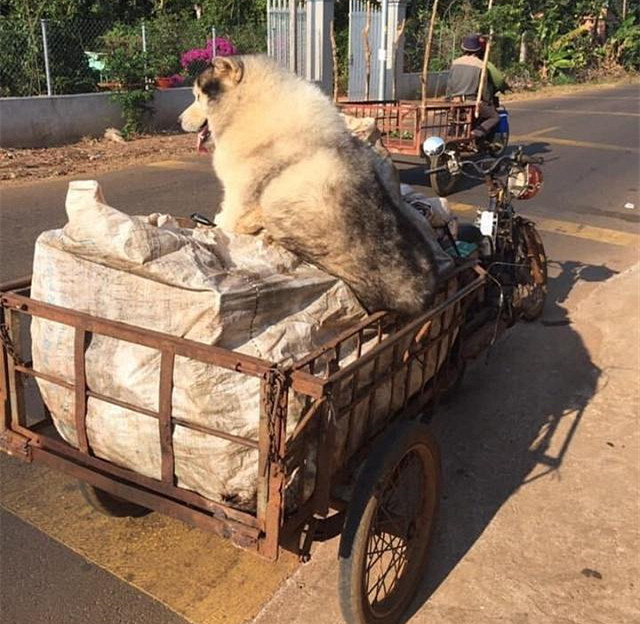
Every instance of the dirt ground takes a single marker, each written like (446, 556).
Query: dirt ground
(562, 90)
(90, 155)
(20, 166)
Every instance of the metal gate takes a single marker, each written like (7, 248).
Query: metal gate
(357, 89)
(278, 36)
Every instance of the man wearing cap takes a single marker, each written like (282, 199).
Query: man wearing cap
(464, 79)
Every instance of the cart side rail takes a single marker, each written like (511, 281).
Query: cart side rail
(404, 125)
(19, 431)
(380, 371)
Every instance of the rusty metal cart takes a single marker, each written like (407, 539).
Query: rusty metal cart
(403, 128)
(367, 465)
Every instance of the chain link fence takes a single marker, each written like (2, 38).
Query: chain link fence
(447, 37)
(59, 57)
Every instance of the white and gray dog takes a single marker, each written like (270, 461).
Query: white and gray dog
(289, 165)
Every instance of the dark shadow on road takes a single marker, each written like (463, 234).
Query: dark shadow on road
(511, 424)
(534, 149)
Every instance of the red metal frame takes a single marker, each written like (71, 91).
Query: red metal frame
(339, 384)
(404, 126)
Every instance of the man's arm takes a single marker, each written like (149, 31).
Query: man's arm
(497, 78)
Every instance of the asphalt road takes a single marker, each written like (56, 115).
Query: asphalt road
(55, 572)
(590, 142)
(42, 581)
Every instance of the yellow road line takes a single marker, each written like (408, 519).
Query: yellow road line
(568, 96)
(543, 130)
(589, 232)
(573, 143)
(570, 228)
(461, 207)
(179, 164)
(195, 574)
(570, 111)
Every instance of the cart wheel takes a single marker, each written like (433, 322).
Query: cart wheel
(383, 549)
(111, 505)
(442, 182)
(530, 249)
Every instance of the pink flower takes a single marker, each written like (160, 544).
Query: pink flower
(196, 59)
(176, 80)
(195, 56)
(224, 47)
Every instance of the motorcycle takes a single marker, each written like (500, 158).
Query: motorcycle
(506, 246)
(459, 143)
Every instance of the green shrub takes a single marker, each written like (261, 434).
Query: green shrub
(122, 38)
(167, 37)
(623, 47)
(127, 67)
(137, 110)
(21, 66)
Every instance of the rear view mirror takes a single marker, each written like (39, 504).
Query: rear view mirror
(433, 146)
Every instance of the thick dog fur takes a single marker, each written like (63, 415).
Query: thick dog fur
(289, 166)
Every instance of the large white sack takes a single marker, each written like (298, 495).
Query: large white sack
(203, 284)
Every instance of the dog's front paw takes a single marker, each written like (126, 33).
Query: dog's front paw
(249, 223)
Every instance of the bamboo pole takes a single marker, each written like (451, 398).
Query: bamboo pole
(485, 62)
(334, 58)
(293, 36)
(367, 52)
(425, 63)
(394, 62)
(383, 50)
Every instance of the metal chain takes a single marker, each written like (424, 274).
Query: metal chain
(276, 386)
(5, 337)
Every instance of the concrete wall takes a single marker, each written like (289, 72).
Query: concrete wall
(46, 121)
(409, 87)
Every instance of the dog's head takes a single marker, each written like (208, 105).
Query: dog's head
(224, 74)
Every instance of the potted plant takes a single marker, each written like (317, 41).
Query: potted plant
(163, 66)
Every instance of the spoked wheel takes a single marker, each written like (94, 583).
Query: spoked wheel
(531, 274)
(442, 182)
(111, 505)
(384, 544)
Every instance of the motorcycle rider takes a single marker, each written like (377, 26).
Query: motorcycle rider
(464, 79)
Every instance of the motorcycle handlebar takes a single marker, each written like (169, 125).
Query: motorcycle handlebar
(520, 159)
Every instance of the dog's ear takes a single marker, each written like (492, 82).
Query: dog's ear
(230, 67)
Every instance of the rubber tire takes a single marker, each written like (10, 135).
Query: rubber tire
(382, 460)
(534, 313)
(111, 505)
(442, 183)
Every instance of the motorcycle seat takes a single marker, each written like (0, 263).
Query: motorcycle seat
(469, 233)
